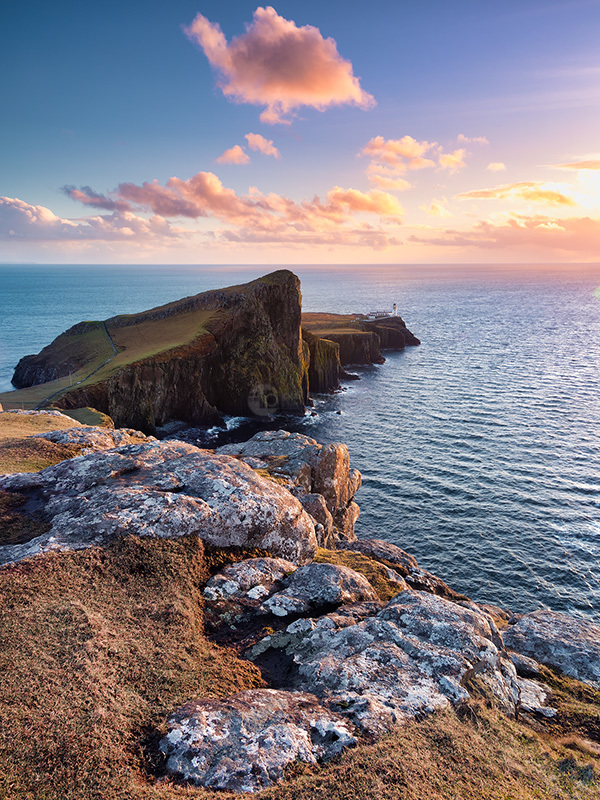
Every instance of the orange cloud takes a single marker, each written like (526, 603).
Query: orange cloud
(204, 195)
(279, 65)
(436, 209)
(402, 154)
(453, 161)
(21, 221)
(262, 145)
(529, 191)
(496, 166)
(235, 155)
(593, 165)
(573, 234)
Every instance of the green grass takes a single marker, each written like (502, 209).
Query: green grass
(134, 342)
(89, 416)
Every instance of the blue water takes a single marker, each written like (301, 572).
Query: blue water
(480, 449)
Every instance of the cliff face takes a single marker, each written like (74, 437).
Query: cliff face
(235, 351)
(360, 347)
(323, 363)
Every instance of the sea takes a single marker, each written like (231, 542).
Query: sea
(479, 449)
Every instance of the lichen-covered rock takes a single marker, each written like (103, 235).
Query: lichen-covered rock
(92, 438)
(318, 586)
(163, 489)
(243, 744)
(316, 506)
(534, 698)
(253, 577)
(308, 468)
(417, 654)
(396, 558)
(558, 640)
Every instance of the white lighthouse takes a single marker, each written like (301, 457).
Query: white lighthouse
(394, 310)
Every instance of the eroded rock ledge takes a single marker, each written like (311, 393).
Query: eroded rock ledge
(353, 637)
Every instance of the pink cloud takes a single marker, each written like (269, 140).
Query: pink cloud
(235, 155)
(496, 166)
(89, 197)
(529, 191)
(453, 161)
(21, 221)
(403, 154)
(573, 234)
(279, 65)
(262, 145)
(472, 139)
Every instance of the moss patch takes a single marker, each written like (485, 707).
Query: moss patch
(89, 416)
(373, 571)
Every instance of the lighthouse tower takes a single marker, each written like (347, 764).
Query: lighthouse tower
(394, 310)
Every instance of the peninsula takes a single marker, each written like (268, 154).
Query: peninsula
(242, 350)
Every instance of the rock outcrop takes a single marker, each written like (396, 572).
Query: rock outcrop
(308, 468)
(243, 744)
(558, 640)
(165, 489)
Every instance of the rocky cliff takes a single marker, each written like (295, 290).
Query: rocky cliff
(160, 549)
(234, 351)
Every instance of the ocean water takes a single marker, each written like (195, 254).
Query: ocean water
(480, 449)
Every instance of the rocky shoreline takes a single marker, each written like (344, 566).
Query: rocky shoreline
(350, 636)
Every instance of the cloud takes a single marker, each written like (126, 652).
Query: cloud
(262, 145)
(88, 197)
(402, 154)
(472, 139)
(496, 166)
(279, 65)
(579, 165)
(435, 209)
(529, 191)
(21, 221)
(453, 161)
(256, 217)
(537, 232)
(235, 155)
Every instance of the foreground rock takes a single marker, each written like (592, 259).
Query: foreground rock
(558, 640)
(92, 439)
(316, 587)
(165, 489)
(319, 475)
(243, 744)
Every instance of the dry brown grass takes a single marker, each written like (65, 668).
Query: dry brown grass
(98, 647)
(20, 453)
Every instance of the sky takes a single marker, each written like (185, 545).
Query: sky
(197, 131)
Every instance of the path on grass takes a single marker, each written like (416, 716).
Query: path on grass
(104, 363)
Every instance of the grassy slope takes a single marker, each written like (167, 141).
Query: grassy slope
(20, 453)
(136, 336)
(322, 324)
(97, 647)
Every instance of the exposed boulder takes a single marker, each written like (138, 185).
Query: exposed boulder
(163, 489)
(243, 744)
(317, 587)
(534, 698)
(316, 506)
(558, 640)
(253, 577)
(91, 438)
(307, 468)
(384, 665)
